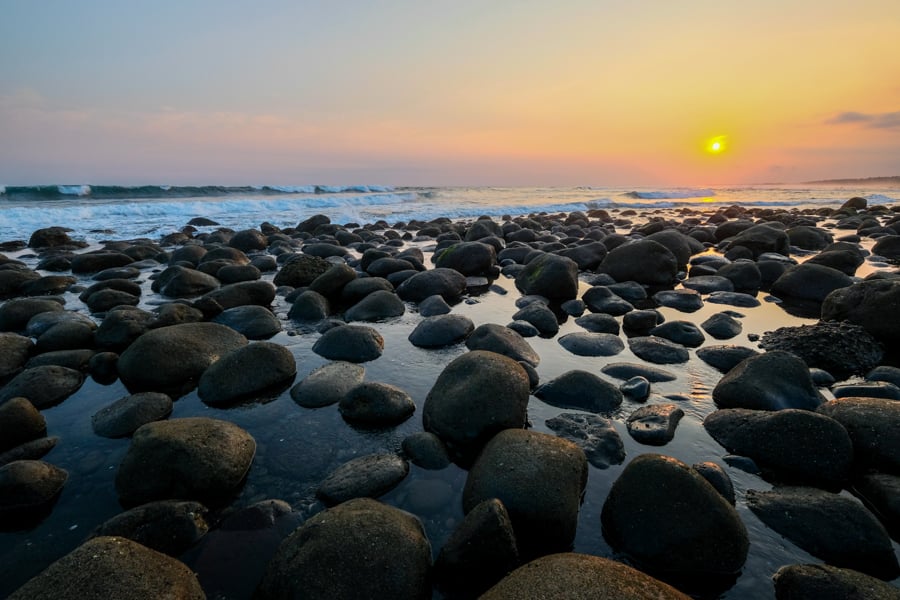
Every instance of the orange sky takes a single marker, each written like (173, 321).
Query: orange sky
(466, 93)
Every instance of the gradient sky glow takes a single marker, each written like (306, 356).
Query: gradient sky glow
(525, 92)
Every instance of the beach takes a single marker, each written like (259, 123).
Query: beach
(297, 447)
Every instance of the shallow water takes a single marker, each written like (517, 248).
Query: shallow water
(298, 447)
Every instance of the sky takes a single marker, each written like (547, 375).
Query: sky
(462, 92)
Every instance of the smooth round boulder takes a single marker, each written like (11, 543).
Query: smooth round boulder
(722, 326)
(476, 396)
(124, 416)
(551, 276)
(760, 239)
(627, 371)
(798, 446)
(874, 428)
(368, 476)
(502, 340)
(20, 422)
(869, 304)
(539, 478)
(167, 526)
(28, 488)
(689, 530)
(580, 390)
(601, 299)
(300, 270)
(182, 282)
(658, 350)
(684, 333)
(643, 261)
(44, 386)
(426, 450)
(252, 321)
(15, 314)
(441, 330)
(350, 343)
(192, 458)
(327, 384)
(771, 381)
(14, 352)
(809, 281)
(243, 293)
(585, 343)
(835, 528)
(469, 258)
(359, 549)
(113, 567)
(540, 316)
(724, 358)
(257, 370)
(376, 404)
(172, 359)
(377, 306)
(824, 582)
(686, 300)
(599, 323)
(572, 576)
(447, 283)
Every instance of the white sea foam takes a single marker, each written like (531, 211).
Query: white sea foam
(881, 199)
(74, 190)
(2, 189)
(291, 189)
(672, 194)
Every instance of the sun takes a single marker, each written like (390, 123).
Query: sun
(716, 145)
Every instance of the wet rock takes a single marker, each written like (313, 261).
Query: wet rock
(707, 284)
(480, 551)
(193, 458)
(175, 313)
(725, 358)
(172, 359)
(121, 327)
(797, 446)
(681, 300)
(744, 275)
(51, 237)
(502, 340)
(601, 299)
(636, 389)
(31, 450)
(14, 352)
(258, 370)
(887, 246)
(658, 350)
(718, 478)
(760, 239)
(351, 343)
(44, 386)
(629, 370)
(885, 373)
(248, 240)
(688, 530)
(824, 582)
(331, 282)
(252, 321)
(772, 381)
(68, 335)
(592, 344)
(539, 478)
(433, 306)
(594, 434)
(580, 577)
(733, 299)
(368, 476)
(476, 396)
(540, 316)
(809, 281)
(654, 425)
(47, 285)
(361, 548)
(874, 427)
(809, 238)
(94, 262)
(309, 306)
(835, 528)
(447, 283)
(867, 304)
(722, 326)
(684, 333)
(167, 526)
(12, 281)
(20, 422)
(880, 492)
(643, 261)
(301, 270)
(426, 450)
(469, 258)
(871, 389)
(377, 306)
(243, 293)
(28, 489)
(580, 390)
(77, 360)
(599, 323)
(182, 282)
(327, 384)
(376, 404)
(124, 416)
(15, 314)
(324, 250)
(441, 330)
(845, 261)
(551, 276)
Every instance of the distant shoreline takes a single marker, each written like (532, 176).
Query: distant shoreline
(889, 180)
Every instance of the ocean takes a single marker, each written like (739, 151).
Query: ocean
(95, 212)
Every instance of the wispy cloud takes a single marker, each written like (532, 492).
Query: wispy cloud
(889, 120)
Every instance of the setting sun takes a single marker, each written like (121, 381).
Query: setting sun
(716, 145)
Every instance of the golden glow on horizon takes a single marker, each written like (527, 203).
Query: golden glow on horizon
(716, 145)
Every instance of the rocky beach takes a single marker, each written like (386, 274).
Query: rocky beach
(600, 403)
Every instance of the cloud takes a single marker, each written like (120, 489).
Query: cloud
(889, 120)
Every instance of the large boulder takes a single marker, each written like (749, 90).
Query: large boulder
(469, 258)
(167, 526)
(261, 369)
(580, 577)
(580, 390)
(358, 549)
(796, 445)
(351, 343)
(28, 489)
(377, 306)
(327, 384)
(113, 567)
(172, 359)
(770, 381)
(182, 282)
(670, 519)
(124, 416)
(300, 270)
(551, 276)
(242, 293)
(14, 352)
(874, 427)
(44, 386)
(193, 458)
(437, 331)
(476, 396)
(20, 422)
(644, 261)
(367, 476)
(824, 582)
(843, 349)
(252, 321)
(502, 340)
(835, 528)
(809, 281)
(450, 284)
(870, 304)
(762, 238)
(539, 478)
